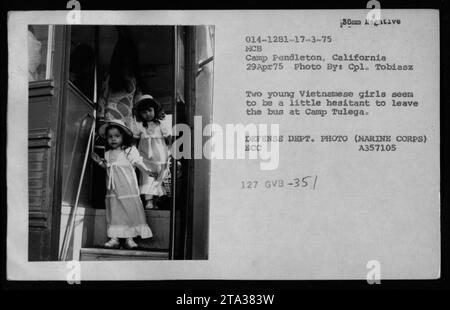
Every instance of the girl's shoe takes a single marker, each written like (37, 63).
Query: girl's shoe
(130, 244)
(113, 243)
(149, 205)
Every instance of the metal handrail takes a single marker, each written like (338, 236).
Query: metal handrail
(84, 119)
(72, 216)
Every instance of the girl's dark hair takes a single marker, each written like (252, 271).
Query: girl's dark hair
(127, 139)
(145, 105)
(124, 64)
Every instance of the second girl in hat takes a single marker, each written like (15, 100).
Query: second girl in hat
(155, 139)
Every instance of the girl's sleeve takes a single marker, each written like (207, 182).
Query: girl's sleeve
(136, 128)
(165, 130)
(136, 159)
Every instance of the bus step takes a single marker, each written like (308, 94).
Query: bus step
(90, 254)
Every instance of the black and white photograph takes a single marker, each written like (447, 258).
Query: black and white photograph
(103, 180)
(164, 147)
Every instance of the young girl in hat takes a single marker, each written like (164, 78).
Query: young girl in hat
(155, 139)
(125, 215)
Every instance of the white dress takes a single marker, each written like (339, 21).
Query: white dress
(154, 151)
(125, 216)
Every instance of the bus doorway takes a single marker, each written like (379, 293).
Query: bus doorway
(175, 67)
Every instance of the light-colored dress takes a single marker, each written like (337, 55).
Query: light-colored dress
(154, 151)
(125, 216)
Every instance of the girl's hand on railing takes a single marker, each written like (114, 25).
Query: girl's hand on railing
(153, 174)
(98, 159)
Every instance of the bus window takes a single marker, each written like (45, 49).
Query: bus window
(40, 52)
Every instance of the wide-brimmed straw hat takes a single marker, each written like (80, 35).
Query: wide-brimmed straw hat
(115, 122)
(143, 98)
